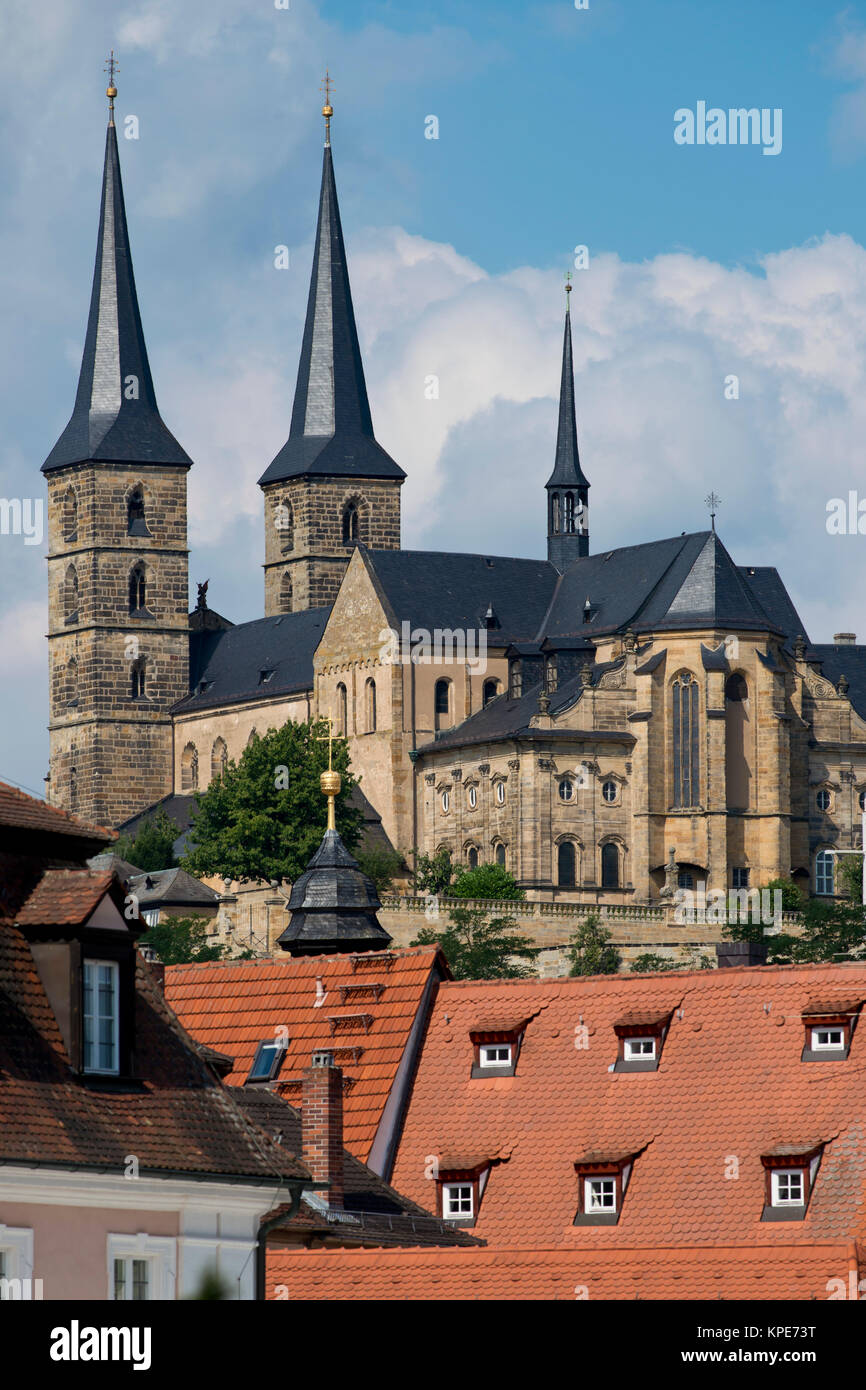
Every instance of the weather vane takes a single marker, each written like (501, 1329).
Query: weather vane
(330, 781)
(111, 67)
(713, 502)
(327, 109)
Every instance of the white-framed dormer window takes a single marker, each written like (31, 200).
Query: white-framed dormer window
(495, 1055)
(788, 1187)
(141, 1268)
(828, 1039)
(101, 1016)
(599, 1194)
(457, 1201)
(640, 1049)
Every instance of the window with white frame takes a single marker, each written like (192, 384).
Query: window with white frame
(495, 1055)
(500, 793)
(132, 1280)
(640, 1049)
(788, 1187)
(599, 1194)
(16, 1255)
(101, 1015)
(446, 801)
(608, 791)
(828, 1039)
(473, 797)
(824, 873)
(457, 1201)
(566, 789)
(141, 1268)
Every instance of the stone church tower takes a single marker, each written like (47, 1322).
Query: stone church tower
(332, 485)
(567, 488)
(118, 638)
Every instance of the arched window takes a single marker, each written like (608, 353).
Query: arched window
(500, 855)
(490, 690)
(736, 722)
(342, 710)
(551, 675)
(370, 694)
(189, 768)
(500, 793)
(284, 520)
(442, 703)
(515, 680)
(70, 595)
(70, 515)
(824, 877)
(566, 789)
(554, 514)
(565, 865)
(136, 524)
(218, 758)
(684, 697)
(137, 589)
(138, 689)
(350, 523)
(568, 522)
(472, 797)
(609, 866)
(286, 592)
(253, 736)
(473, 858)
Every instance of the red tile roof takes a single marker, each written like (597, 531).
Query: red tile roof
(234, 1005)
(19, 811)
(788, 1271)
(730, 1087)
(64, 897)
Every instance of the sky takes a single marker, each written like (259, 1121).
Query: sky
(719, 309)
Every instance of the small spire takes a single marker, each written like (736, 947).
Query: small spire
(111, 67)
(327, 109)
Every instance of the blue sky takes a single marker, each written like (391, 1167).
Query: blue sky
(555, 129)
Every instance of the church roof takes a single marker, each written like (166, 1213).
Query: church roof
(115, 417)
(567, 471)
(332, 429)
(333, 905)
(844, 660)
(231, 666)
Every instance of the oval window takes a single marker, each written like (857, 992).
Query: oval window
(823, 801)
(566, 789)
(446, 801)
(500, 793)
(473, 797)
(608, 791)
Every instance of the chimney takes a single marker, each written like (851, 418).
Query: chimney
(730, 954)
(844, 639)
(322, 1125)
(155, 965)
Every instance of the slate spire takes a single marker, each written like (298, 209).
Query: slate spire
(115, 417)
(332, 429)
(567, 487)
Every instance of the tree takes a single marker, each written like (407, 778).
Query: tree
(793, 897)
(152, 846)
(830, 929)
(487, 881)
(590, 951)
(181, 941)
(433, 872)
(380, 864)
(478, 947)
(649, 962)
(265, 816)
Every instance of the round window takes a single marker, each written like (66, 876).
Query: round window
(608, 791)
(473, 797)
(566, 789)
(823, 801)
(500, 793)
(446, 801)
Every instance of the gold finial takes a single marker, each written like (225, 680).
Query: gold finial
(111, 67)
(327, 109)
(568, 286)
(330, 781)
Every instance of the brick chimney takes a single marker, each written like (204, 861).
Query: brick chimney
(322, 1125)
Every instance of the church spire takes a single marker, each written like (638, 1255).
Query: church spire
(567, 487)
(332, 429)
(115, 417)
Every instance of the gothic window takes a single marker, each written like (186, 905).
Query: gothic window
(554, 513)
(350, 523)
(138, 677)
(609, 866)
(515, 681)
(566, 865)
(473, 858)
(824, 873)
(286, 593)
(442, 703)
(137, 589)
(71, 684)
(370, 695)
(136, 524)
(550, 674)
(684, 696)
(189, 768)
(253, 736)
(284, 520)
(342, 710)
(500, 855)
(218, 758)
(70, 595)
(736, 722)
(490, 691)
(568, 521)
(70, 515)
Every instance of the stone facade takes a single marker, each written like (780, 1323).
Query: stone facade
(118, 635)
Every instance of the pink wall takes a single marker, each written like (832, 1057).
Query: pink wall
(70, 1243)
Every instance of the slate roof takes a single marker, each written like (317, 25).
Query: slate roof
(231, 662)
(105, 424)
(784, 1271)
(332, 429)
(848, 661)
(171, 888)
(730, 1080)
(567, 471)
(232, 1006)
(766, 584)
(179, 808)
(333, 905)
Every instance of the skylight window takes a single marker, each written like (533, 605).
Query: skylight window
(267, 1061)
(265, 675)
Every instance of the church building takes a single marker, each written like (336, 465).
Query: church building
(592, 721)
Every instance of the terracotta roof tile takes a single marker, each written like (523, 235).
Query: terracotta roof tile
(64, 897)
(22, 812)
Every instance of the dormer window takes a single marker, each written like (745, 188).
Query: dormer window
(460, 1187)
(639, 1049)
(265, 675)
(788, 1187)
(828, 1039)
(458, 1201)
(267, 1061)
(641, 1038)
(829, 1026)
(602, 1180)
(496, 1044)
(599, 1194)
(101, 1016)
(495, 1055)
(790, 1178)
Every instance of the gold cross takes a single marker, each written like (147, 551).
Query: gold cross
(326, 88)
(111, 67)
(320, 738)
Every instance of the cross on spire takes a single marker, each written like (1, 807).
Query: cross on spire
(327, 109)
(320, 738)
(111, 67)
(568, 285)
(713, 502)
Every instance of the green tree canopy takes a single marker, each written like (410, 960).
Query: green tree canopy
(181, 941)
(590, 951)
(487, 881)
(264, 817)
(433, 872)
(793, 897)
(830, 929)
(152, 847)
(380, 864)
(479, 947)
